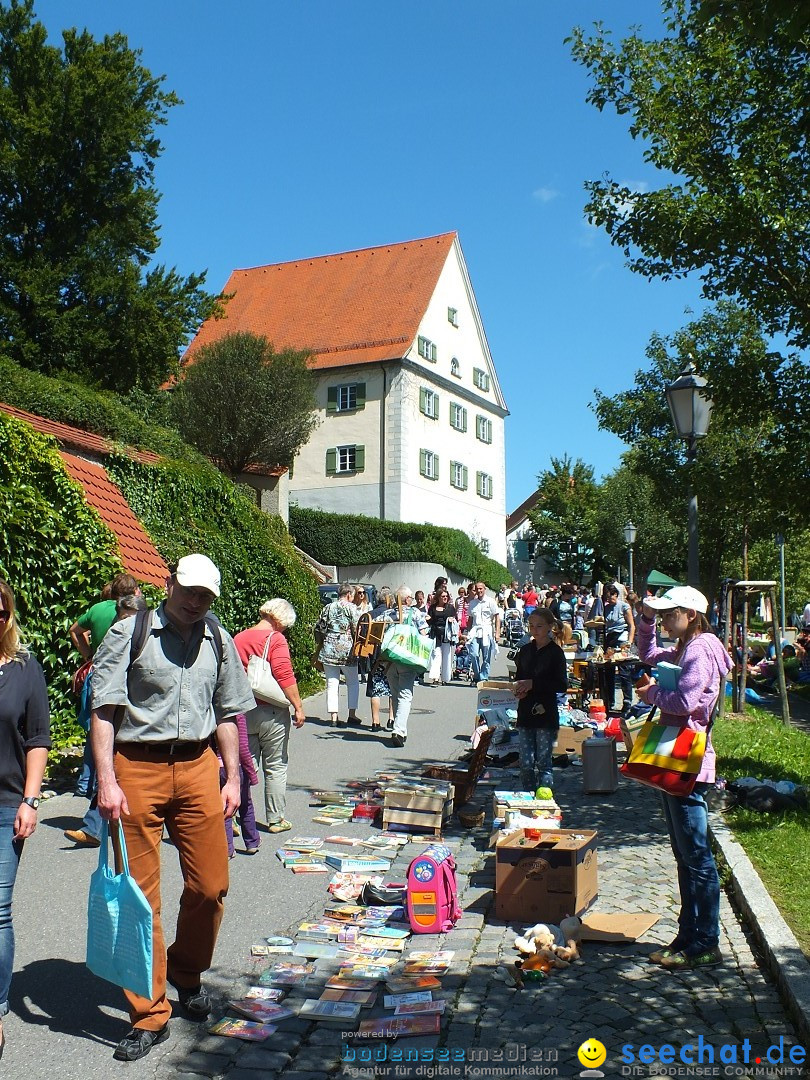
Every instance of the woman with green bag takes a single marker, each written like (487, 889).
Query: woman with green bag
(403, 668)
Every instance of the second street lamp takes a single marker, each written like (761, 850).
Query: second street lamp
(630, 539)
(691, 410)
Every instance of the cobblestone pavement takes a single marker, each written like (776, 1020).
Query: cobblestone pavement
(613, 994)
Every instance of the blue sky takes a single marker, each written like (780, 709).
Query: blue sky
(326, 125)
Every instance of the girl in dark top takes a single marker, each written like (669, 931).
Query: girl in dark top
(541, 675)
(24, 744)
(444, 643)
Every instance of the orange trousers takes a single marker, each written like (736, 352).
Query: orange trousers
(182, 795)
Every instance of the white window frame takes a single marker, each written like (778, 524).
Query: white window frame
(455, 368)
(483, 545)
(429, 403)
(481, 379)
(458, 479)
(346, 459)
(431, 465)
(458, 416)
(484, 485)
(483, 429)
(346, 397)
(452, 316)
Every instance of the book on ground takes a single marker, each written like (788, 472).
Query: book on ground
(266, 993)
(264, 1012)
(338, 982)
(420, 1008)
(392, 1001)
(415, 982)
(315, 1009)
(242, 1029)
(364, 998)
(400, 1026)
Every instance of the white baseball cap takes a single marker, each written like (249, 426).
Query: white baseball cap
(683, 596)
(198, 572)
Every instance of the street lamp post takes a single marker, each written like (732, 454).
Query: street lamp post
(630, 539)
(691, 410)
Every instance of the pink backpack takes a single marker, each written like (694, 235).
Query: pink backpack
(433, 906)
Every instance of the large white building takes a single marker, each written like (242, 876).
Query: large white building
(412, 415)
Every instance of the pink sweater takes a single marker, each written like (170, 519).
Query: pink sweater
(704, 662)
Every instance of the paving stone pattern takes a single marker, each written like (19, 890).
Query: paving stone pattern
(613, 993)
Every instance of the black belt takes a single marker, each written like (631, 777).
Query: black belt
(172, 748)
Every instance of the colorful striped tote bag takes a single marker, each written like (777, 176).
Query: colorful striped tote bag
(666, 757)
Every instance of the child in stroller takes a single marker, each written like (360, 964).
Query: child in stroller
(513, 629)
(462, 663)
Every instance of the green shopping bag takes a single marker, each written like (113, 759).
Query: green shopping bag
(403, 644)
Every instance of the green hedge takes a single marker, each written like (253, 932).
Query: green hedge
(351, 539)
(56, 554)
(187, 508)
(102, 412)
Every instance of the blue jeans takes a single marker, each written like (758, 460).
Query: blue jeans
(535, 757)
(10, 851)
(481, 656)
(699, 921)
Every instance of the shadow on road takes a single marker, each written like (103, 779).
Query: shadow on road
(63, 996)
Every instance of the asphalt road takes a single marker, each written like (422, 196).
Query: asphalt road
(65, 1022)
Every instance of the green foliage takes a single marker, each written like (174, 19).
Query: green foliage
(721, 108)
(55, 553)
(758, 744)
(564, 516)
(242, 403)
(352, 539)
(188, 508)
(72, 402)
(78, 210)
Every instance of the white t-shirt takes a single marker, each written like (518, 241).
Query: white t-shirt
(482, 615)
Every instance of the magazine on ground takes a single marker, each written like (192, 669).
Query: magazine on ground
(248, 1030)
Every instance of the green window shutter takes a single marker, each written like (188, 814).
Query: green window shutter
(435, 466)
(478, 482)
(422, 464)
(360, 392)
(331, 461)
(359, 458)
(332, 399)
(522, 550)
(464, 478)
(422, 399)
(463, 419)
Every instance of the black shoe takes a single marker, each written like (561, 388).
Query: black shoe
(397, 740)
(195, 1003)
(389, 725)
(138, 1042)
(355, 721)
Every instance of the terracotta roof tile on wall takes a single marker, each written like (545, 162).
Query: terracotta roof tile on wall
(138, 553)
(356, 307)
(66, 435)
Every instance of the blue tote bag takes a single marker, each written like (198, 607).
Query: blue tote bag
(119, 925)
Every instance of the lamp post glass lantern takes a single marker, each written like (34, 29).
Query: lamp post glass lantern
(630, 539)
(691, 408)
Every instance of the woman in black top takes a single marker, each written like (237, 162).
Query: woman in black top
(541, 674)
(24, 744)
(439, 612)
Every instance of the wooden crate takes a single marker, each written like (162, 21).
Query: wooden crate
(424, 810)
(464, 778)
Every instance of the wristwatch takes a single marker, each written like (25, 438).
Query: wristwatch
(32, 801)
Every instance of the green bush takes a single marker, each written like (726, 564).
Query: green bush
(188, 507)
(56, 554)
(102, 412)
(349, 539)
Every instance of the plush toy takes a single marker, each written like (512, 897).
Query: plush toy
(557, 945)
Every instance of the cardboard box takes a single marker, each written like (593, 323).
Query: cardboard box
(496, 693)
(525, 802)
(570, 741)
(544, 880)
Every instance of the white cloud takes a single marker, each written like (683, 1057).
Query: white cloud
(545, 194)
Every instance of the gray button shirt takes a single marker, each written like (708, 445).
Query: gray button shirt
(173, 690)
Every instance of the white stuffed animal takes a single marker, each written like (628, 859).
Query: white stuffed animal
(562, 941)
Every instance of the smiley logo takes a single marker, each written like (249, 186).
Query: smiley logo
(592, 1054)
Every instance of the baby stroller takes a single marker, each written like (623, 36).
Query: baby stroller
(513, 628)
(462, 664)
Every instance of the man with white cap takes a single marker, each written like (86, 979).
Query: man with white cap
(160, 690)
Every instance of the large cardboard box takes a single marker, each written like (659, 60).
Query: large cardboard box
(496, 693)
(544, 880)
(570, 741)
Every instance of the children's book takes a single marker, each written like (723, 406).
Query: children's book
(266, 993)
(372, 970)
(415, 982)
(357, 864)
(364, 998)
(400, 1026)
(428, 963)
(264, 1012)
(344, 841)
(317, 931)
(286, 974)
(316, 1009)
(305, 843)
(370, 940)
(309, 868)
(393, 1001)
(338, 982)
(420, 1008)
(315, 950)
(392, 932)
(667, 675)
(242, 1029)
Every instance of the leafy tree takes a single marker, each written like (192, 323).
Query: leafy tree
(564, 518)
(749, 479)
(242, 403)
(725, 109)
(78, 210)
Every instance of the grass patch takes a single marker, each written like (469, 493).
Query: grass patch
(758, 744)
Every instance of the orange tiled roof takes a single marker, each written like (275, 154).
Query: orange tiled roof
(66, 435)
(138, 554)
(355, 307)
